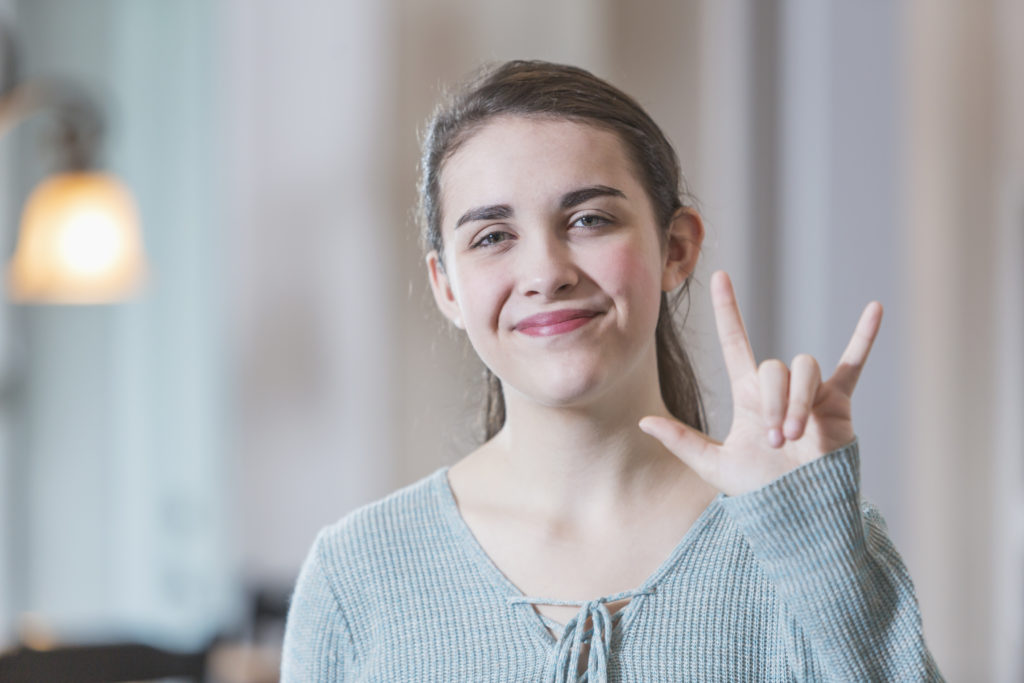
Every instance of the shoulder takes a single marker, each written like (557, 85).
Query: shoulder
(380, 537)
(405, 511)
(357, 573)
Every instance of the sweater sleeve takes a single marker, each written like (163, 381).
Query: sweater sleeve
(836, 571)
(317, 641)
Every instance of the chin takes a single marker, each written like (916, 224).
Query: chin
(564, 388)
(565, 380)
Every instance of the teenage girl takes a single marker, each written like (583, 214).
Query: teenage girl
(598, 533)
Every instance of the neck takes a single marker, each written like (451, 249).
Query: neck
(586, 465)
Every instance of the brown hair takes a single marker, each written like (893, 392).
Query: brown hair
(535, 88)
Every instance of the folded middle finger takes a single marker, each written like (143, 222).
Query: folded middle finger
(773, 378)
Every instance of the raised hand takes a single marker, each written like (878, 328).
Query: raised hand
(782, 417)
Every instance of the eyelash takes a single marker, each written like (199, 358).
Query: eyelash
(602, 221)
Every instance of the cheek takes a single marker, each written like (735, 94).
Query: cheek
(481, 294)
(632, 276)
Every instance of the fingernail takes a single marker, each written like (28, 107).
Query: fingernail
(792, 428)
(774, 437)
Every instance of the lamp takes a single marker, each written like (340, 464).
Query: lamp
(79, 240)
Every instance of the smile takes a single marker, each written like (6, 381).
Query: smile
(551, 327)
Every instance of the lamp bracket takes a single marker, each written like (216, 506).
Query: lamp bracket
(79, 121)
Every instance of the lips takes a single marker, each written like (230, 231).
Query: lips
(555, 322)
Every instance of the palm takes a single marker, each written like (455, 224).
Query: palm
(764, 398)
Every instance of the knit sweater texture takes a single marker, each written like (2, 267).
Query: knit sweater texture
(796, 581)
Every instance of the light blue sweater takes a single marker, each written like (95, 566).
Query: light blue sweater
(795, 581)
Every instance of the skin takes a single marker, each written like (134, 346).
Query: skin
(572, 401)
(574, 472)
(782, 417)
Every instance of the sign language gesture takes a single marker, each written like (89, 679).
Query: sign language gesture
(782, 417)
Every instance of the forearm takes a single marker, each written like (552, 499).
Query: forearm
(836, 570)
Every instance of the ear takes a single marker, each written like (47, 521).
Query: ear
(683, 240)
(441, 287)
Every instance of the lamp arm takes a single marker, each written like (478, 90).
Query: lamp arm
(79, 120)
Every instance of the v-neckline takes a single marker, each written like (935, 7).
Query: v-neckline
(536, 622)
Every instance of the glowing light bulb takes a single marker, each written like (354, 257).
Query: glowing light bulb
(90, 242)
(79, 243)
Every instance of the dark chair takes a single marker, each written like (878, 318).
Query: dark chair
(269, 608)
(101, 664)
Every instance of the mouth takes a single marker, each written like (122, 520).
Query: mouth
(556, 322)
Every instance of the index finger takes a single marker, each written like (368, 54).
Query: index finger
(739, 358)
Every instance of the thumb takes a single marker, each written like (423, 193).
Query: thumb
(694, 448)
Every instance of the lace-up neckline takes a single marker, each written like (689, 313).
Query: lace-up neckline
(564, 652)
(564, 660)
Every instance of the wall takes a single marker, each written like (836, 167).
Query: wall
(120, 507)
(291, 365)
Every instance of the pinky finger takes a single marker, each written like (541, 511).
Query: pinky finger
(856, 354)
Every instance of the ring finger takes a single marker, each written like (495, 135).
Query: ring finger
(803, 387)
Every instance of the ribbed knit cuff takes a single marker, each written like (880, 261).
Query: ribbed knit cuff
(855, 605)
(806, 525)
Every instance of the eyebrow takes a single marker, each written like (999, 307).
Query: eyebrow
(569, 200)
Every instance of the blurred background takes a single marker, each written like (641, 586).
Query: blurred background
(165, 462)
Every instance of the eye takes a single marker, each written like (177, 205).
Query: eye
(490, 239)
(591, 220)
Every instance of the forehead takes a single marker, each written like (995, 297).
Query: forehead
(518, 158)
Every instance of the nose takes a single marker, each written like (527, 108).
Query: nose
(546, 267)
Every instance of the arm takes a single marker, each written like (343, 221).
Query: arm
(836, 570)
(317, 640)
(789, 464)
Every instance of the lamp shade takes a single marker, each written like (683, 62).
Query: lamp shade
(79, 243)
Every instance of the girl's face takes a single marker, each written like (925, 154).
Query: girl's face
(553, 263)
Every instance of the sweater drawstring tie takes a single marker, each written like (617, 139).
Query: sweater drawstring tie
(563, 661)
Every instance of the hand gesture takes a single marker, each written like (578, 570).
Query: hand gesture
(782, 417)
